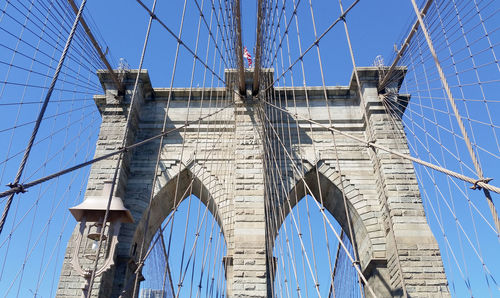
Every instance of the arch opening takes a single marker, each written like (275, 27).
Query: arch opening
(326, 192)
(309, 260)
(315, 192)
(186, 258)
(168, 199)
(185, 237)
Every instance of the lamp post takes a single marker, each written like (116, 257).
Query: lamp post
(90, 215)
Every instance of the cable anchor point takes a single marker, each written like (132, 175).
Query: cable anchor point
(485, 180)
(370, 144)
(18, 188)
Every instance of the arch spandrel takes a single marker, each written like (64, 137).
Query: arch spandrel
(190, 180)
(329, 189)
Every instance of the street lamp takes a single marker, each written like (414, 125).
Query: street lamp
(90, 214)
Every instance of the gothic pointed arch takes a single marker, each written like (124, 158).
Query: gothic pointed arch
(324, 183)
(192, 179)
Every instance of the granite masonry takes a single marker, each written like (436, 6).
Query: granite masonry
(223, 163)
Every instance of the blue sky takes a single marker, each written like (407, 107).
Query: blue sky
(69, 135)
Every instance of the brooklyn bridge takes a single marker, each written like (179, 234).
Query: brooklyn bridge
(269, 148)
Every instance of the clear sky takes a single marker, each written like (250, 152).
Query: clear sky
(375, 27)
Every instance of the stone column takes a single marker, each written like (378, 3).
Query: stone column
(419, 257)
(248, 277)
(114, 111)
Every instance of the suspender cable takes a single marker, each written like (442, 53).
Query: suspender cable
(40, 115)
(387, 76)
(239, 47)
(23, 187)
(258, 50)
(467, 141)
(375, 157)
(120, 156)
(475, 182)
(118, 85)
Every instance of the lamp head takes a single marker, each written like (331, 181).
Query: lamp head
(93, 208)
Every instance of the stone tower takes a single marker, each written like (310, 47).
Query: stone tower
(376, 184)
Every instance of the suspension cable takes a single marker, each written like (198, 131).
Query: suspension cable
(468, 144)
(40, 115)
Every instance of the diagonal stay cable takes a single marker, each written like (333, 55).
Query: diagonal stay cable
(321, 209)
(37, 102)
(153, 16)
(285, 33)
(475, 182)
(142, 259)
(210, 33)
(119, 160)
(50, 43)
(46, 118)
(316, 41)
(431, 156)
(41, 113)
(468, 144)
(349, 220)
(23, 187)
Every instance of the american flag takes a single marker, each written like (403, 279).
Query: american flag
(247, 55)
